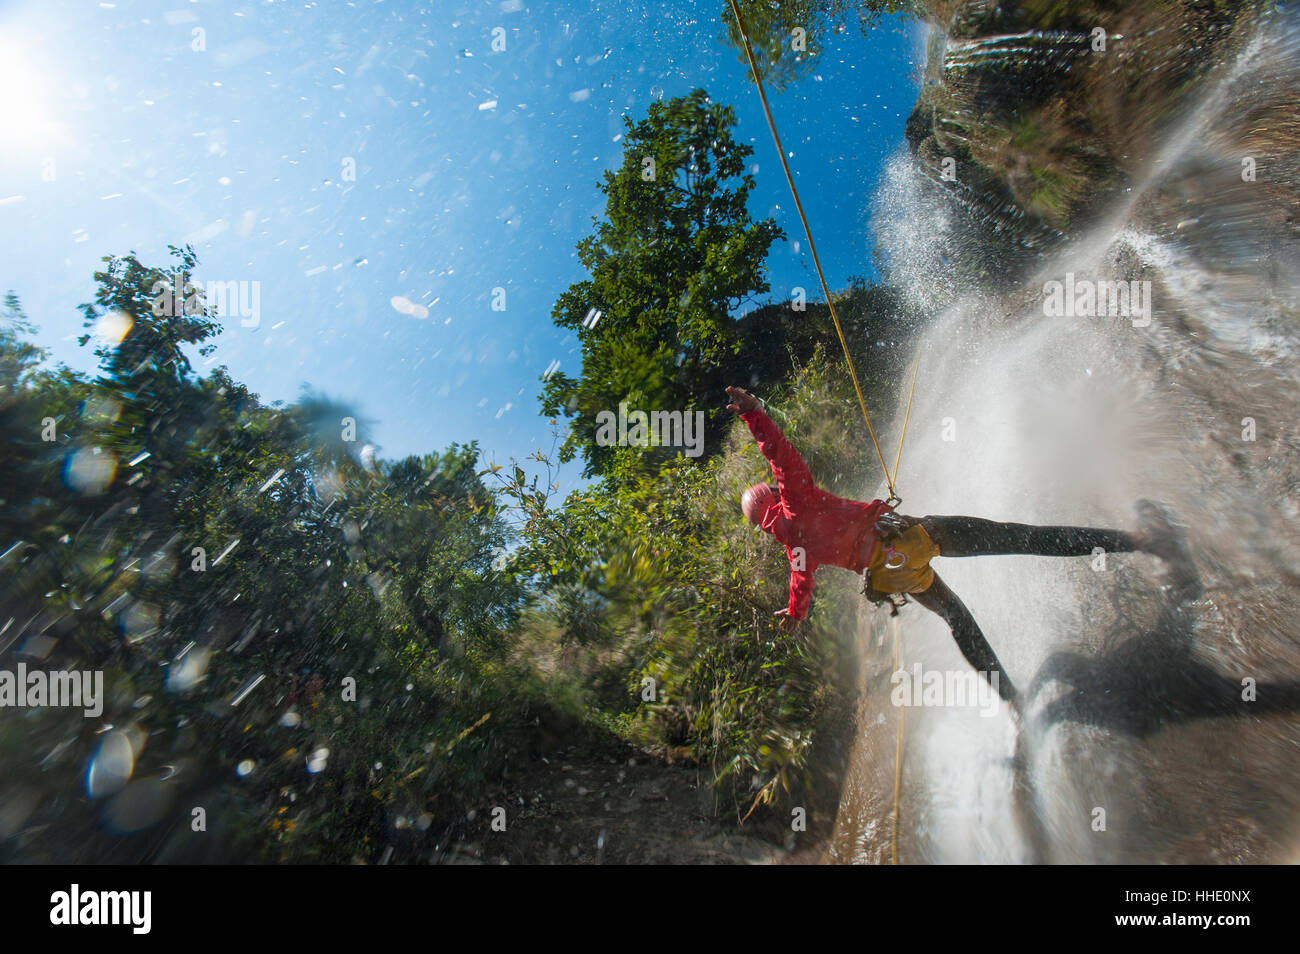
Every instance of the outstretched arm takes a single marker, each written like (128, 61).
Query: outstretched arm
(801, 591)
(792, 474)
(795, 481)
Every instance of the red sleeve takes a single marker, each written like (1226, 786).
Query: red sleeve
(801, 591)
(792, 474)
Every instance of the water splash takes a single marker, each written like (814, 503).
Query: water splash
(1138, 746)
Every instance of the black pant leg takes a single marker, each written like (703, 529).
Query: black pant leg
(970, 640)
(975, 536)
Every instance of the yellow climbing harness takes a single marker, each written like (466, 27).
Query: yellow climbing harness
(902, 565)
(916, 546)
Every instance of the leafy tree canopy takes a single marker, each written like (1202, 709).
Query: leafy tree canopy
(677, 251)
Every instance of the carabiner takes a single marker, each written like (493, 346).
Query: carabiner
(891, 553)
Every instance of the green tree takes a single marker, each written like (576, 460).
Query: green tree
(676, 253)
(786, 36)
(433, 535)
(225, 668)
(19, 358)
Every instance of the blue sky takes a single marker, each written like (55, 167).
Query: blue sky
(475, 170)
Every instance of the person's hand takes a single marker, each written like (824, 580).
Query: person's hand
(741, 400)
(788, 622)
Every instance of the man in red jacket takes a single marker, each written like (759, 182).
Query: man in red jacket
(894, 551)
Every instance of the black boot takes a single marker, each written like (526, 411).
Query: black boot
(1162, 536)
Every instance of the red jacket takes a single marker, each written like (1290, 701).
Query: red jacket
(829, 529)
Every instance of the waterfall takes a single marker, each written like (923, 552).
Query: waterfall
(1137, 744)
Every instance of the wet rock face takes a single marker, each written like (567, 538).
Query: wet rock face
(1032, 114)
(1162, 706)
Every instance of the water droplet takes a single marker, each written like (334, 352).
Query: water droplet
(188, 670)
(114, 761)
(88, 471)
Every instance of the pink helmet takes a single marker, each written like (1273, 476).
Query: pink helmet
(755, 501)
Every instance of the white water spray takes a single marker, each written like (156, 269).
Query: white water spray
(1051, 420)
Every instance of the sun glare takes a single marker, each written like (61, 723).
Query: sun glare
(25, 117)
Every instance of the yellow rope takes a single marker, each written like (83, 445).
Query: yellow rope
(898, 752)
(889, 480)
(898, 743)
(907, 415)
(812, 248)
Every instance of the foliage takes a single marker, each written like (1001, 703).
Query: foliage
(659, 578)
(676, 255)
(676, 252)
(786, 36)
(330, 655)
(234, 569)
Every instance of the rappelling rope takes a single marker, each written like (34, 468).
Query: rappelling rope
(893, 619)
(889, 480)
(812, 247)
(898, 755)
(899, 459)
